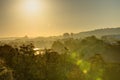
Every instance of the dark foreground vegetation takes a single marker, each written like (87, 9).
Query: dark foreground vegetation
(68, 59)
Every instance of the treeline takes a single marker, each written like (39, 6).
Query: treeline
(69, 59)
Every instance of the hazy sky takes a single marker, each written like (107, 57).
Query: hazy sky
(54, 17)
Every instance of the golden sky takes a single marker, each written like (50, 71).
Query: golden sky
(54, 17)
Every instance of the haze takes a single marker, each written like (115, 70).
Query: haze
(54, 17)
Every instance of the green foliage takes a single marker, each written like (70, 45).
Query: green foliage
(72, 59)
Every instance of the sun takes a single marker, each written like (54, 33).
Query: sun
(31, 6)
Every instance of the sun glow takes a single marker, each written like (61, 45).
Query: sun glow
(31, 6)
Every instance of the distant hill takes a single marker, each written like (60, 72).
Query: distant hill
(14, 38)
(112, 33)
(98, 32)
(8, 38)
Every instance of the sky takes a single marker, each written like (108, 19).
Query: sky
(55, 17)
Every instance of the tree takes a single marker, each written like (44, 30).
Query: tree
(27, 49)
(66, 35)
(59, 47)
